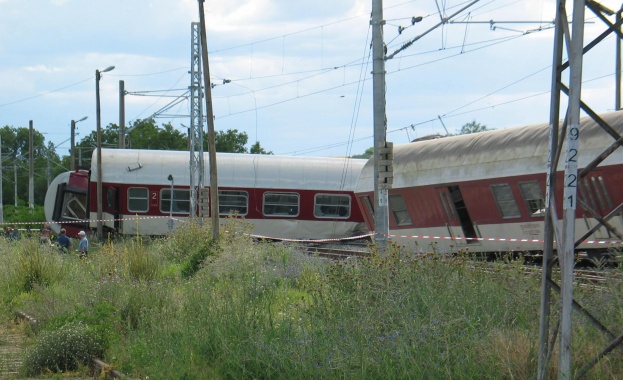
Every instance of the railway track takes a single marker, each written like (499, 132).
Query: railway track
(11, 348)
(582, 277)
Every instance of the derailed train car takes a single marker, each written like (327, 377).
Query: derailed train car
(485, 191)
(283, 197)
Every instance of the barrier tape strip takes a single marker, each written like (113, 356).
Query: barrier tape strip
(312, 240)
(498, 239)
(82, 221)
(431, 237)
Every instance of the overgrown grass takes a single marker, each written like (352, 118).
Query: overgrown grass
(192, 308)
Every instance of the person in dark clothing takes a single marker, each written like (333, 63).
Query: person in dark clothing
(64, 243)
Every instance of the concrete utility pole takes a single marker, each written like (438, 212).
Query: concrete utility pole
(121, 114)
(1, 193)
(15, 181)
(31, 169)
(72, 149)
(210, 121)
(617, 65)
(381, 201)
(100, 225)
(72, 161)
(566, 250)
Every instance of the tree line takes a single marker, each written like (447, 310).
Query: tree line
(143, 134)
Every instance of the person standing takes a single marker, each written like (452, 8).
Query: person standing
(64, 243)
(45, 234)
(83, 247)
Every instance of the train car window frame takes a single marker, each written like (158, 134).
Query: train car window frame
(235, 202)
(74, 206)
(181, 201)
(399, 209)
(281, 204)
(325, 206)
(369, 207)
(135, 200)
(532, 195)
(505, 200)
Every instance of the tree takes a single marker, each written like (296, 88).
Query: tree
(257, 149)
(367, 154)
(145, 134)
(472, 127)
(15, 155)
(230, 141)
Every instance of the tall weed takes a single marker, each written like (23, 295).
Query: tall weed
(37, 265)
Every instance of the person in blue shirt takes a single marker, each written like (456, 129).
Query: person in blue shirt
(83, 247)
(64, 244)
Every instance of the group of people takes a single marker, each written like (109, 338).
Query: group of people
(64, 243)
(62, 240)
(12, 233)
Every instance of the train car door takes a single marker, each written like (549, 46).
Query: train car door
(111, 206)
(456, 211)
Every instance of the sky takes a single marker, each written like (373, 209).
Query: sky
(298, 71)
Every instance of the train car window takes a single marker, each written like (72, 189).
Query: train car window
(505, 200)
(181, 201)
(604, 190)
(138, 199)
(331, 206)
(233, 202)
(399, 209)
(74, 206)
(281, 204)
(531, 192)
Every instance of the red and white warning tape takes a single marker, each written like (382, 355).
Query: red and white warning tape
(429, 237)
(312, 240)
(497, 239)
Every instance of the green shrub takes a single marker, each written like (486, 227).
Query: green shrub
(36, 265)
(141, 263)
(65, 349)
(101, 318)
(197, 258)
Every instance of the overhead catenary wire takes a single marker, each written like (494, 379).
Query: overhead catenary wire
(301, 95)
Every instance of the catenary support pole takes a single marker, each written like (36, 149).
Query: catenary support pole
(1, 193)
(210, 121)
(121, 114)
(550, 210)
(567, 248)
(31, 168)
(381, 201)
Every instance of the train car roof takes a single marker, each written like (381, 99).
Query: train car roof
(152, 167)
(491, 154)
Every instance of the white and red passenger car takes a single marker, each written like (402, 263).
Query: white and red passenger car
(480, 190)
(283, 197)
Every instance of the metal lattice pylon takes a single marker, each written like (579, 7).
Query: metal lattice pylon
(196, 119)
(562, 232)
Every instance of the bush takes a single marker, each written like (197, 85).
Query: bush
(62, 350)
(141, 264)
(35, 266)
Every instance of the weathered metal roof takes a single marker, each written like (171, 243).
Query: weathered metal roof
(234, 170)
(497, 153)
